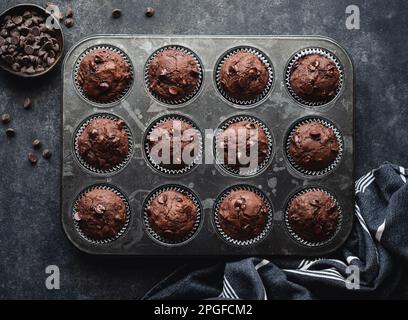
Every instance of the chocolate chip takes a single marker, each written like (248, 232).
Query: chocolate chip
(30, 39)
(116, 13)
(15, 33)
(27, 103)
(162, 199)
(5, 118)
(9, 59)
(36, 144)
(24, 31)
(35, 31)
(47, 154)
(17, 20)
(69, 13)
(27, 14)
(99, 208)
(194, 73)
(29, 49)
(47, 46)
(10, 24)
(104, 86)
(32, 158)
(16, 67)
(10, 132)
(69, 22)
(173, 90)
(50, 61)
(149, 12)
(30, 70)
(315, 135)
(15, 41)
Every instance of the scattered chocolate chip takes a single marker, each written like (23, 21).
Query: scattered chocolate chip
(5, 118)
(27, 103)
(116, 13)
(69, 13)
(69, 22)
(47, 154)
(149, 12)
(36, 144)
(10, 132)
(32, 158)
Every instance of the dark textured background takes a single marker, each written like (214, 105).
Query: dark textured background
(30, 231)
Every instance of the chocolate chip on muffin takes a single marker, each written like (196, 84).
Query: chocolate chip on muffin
(243, 76)
(313, 216)
(173, 144)
(101, 214)
(238, 139)
(173, 74)
(242, 215)
(172, 215)
(104, 75)
(104, 143)
(313, 146)
(315, 78)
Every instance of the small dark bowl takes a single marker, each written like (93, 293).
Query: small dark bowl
(19, 10)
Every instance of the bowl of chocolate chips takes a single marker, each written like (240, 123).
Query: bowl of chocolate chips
(31, 41)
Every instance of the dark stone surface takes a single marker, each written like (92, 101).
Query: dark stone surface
(31, 234)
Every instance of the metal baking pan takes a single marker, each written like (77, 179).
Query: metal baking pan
(279, 111)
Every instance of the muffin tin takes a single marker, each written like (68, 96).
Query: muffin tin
(278, 181)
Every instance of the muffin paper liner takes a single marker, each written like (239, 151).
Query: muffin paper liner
(267, 226)
(76, 70)
(263, 58)
(186, 98)
(83, 162)
(157, 192)
(75, 208)
(237, 172)
(293, 233)
(333, 165)
(306, 52)
(159, 167)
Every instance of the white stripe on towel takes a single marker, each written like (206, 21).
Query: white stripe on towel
(380, 231)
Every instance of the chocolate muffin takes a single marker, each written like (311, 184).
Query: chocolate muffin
(242, 215)
(313, 216)
(232, 141)
(100, 214)
(315, 78)
(172, 215)
(173, 144)
(243, 76)
(173, 74)
(104, 75)
(104, 143)
(313, 146)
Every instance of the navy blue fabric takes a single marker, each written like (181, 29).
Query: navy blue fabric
(378, 246)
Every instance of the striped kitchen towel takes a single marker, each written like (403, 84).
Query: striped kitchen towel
(370, 264)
